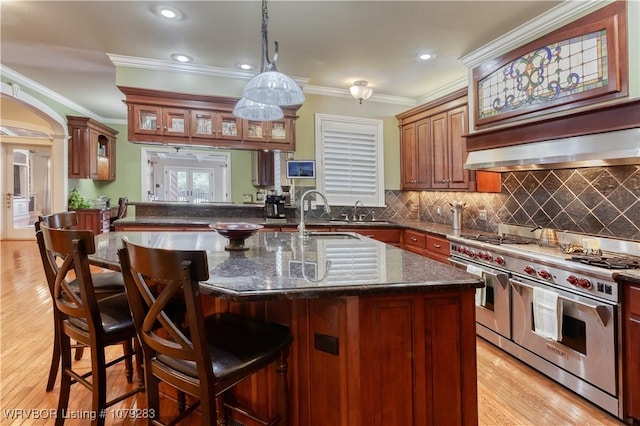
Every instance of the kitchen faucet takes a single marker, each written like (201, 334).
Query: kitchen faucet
(355, 210)
(302, 232)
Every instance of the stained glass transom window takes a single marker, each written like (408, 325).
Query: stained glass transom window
(551, 72)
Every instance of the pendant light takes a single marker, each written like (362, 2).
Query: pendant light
(270, 88)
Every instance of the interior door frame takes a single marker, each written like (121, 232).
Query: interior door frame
(58, 140)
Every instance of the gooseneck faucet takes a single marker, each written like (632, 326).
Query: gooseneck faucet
(355, 210)
(301, 230)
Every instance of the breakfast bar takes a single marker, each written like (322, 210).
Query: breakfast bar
(381, 335)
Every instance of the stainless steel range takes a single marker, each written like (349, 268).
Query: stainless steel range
(556, 311)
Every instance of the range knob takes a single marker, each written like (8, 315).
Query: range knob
(482, 255)
(529, 270)
(572, 279)
(584, 283)
(544, 274)
(470, 253)
(460, 249)
(500, 260)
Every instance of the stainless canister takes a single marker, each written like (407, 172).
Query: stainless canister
(457, 207)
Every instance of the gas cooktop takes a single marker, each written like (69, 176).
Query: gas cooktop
(498, 239)
(609, 262)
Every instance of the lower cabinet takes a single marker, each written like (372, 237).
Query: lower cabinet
(426, 244)
(391, 236)
(96, 220)
(631, 318)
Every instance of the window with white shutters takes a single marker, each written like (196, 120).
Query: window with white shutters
(349, 160)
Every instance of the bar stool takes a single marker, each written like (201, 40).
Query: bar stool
(87, 320)
(208, 356)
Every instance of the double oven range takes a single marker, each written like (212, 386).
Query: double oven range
(586, 356)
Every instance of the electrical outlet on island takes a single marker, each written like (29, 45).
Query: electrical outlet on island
(482, 214)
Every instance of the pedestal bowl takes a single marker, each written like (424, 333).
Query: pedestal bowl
(236, 233)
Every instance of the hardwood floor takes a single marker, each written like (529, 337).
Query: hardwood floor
(509, 392)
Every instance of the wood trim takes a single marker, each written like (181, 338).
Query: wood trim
(445, 103)
(613, 18)
(604, 118)
(136, 95)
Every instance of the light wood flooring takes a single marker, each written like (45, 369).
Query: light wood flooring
(509, 392)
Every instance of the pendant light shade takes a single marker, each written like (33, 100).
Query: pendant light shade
(266, 92)
(250, 110)
(273, 87)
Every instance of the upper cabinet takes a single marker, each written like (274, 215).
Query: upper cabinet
(92, 149)
(175, 118)
(433, 148)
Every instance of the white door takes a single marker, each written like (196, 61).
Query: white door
(27, 189)
(188, 184)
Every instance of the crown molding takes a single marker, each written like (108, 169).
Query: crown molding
(55, 96)
(543, 24)
(455, 85)
(345, 94)
(164, 65)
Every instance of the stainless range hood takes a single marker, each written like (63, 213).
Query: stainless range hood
(601, 149)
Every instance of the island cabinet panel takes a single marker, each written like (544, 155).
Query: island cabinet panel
(386, 235)
(385, 360)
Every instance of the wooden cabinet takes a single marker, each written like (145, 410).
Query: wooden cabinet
(426, 244)
(215, 125)
(433, 148)
(96, 220)
(631, 320)
(263, 168)
(176, 118)
(384, 360)
(391, 236)
(278, 131)
(92, 149)
(415, 148)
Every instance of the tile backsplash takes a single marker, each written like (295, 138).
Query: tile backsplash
(597, 200)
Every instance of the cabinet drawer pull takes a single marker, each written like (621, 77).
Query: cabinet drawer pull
(437, 246)
(415, 240)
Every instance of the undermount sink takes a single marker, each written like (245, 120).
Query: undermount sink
(333, 235)
(359, 222)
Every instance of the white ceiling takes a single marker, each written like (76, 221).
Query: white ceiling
(63, 45)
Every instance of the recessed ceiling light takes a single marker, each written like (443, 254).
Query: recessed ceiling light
(426, 56)
(169, 13)
(181, 58)
(244, 66)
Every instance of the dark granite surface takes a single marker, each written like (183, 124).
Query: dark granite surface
(628, 275)
(281, 265)
(198, 222)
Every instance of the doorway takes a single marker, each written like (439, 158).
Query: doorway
(28, 187)
(186, 175)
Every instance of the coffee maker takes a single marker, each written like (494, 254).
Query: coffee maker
(274, 207)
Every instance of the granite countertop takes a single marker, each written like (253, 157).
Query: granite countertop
(628, 275)
(198, 222)
(281, 265)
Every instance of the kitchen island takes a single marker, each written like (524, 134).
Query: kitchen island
(381, 335)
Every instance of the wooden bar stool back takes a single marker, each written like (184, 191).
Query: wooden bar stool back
(105, 284)
(209, 355)
(87, 320)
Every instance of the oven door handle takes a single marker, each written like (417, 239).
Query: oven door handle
(502, 278)
(601, 311)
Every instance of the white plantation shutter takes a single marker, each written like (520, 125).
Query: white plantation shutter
(349, 160)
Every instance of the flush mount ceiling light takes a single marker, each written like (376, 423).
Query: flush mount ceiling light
(169, 13)
(360, 90)
(270, 87)
(181, 58)
(425, 56)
